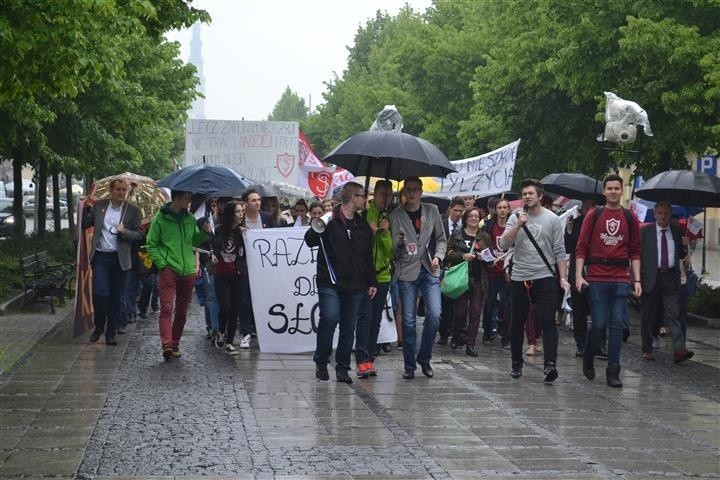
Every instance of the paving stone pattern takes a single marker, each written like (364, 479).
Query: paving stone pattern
(264, 415)
(78, 410)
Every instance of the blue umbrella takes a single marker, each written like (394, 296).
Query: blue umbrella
(207, 179)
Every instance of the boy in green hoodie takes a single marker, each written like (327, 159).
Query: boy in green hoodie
(170, 241)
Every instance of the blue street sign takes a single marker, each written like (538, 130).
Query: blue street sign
(708, 164)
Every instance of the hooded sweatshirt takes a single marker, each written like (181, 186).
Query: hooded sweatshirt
(171, 239)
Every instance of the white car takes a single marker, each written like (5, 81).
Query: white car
(29, 207)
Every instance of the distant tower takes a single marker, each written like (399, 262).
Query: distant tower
(198, 107)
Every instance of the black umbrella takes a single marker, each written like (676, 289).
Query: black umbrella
(574, 185)
(391, 155)
(682, 187)
(207, 179)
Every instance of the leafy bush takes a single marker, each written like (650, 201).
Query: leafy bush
(60, 250)
(705, 302)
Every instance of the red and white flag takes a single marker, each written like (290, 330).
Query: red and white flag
(315, 175)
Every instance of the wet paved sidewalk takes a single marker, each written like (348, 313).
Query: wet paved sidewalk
(74, 409)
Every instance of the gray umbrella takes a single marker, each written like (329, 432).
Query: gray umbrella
(682, 187)
(392, 155)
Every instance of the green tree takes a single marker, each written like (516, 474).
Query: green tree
(56, 52)
(290, 108)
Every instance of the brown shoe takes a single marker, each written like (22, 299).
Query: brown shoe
(648, 356)
(683, 355)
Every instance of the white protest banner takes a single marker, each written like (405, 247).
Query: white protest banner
(284, 294)
(484, 175)
(639, 209)
(694, 225)
(261, 151)
(573, 213)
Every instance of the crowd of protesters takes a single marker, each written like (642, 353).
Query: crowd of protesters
(522, 266)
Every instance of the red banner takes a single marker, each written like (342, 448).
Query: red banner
(83, 291)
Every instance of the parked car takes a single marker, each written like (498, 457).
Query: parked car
(7, 221)
(29, 207)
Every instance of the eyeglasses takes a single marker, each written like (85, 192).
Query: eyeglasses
(364, 195)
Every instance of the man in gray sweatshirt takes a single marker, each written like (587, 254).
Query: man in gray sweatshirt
(534, 278)
(419, 244)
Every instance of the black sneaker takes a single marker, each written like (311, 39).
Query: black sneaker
(167, 353)
(409, 374)
(602, 354)
(516, 371)
(426, 369)
(96, 335)
(343, 377)
(321, 373)
(551, 374)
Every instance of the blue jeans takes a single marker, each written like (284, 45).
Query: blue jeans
(429, 286)
(491, 309)
(108, 292)
(608, 305)
(148, 292)
(130, 298)
(337, 308)
(368, 324)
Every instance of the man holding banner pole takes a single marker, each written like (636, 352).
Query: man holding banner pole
(345, 275)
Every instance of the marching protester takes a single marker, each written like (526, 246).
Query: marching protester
(345, 276)
(465, 245)
(419, 245)
(271, 206)
(255, 218)
(230, 271)
(316, 210)
(579, 299)
(538, 260)
(662, 250)
(300, 213)
(170, 242)
(451, 223)
(368, 324)
(497, 304)
(609, 245)
(117, 227)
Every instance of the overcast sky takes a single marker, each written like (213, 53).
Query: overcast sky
(252, 50)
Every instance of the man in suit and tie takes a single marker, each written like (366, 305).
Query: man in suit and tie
(117, 227)
(451, 222)
(662, 251)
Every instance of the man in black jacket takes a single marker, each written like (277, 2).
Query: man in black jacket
(345, 274)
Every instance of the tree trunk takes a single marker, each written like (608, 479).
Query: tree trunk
(57, 218)
(41, 198)
(17, 154)
(70, 203)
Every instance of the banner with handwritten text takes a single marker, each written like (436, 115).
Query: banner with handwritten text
(284, 293)
(261, 151)
(483, 175)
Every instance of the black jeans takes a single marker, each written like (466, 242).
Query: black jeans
(227, 289)
(580, 311)
(368, 324)
(544, 294)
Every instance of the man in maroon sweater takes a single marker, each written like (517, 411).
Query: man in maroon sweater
(609, 245)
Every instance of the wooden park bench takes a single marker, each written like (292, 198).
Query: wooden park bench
(42, 281)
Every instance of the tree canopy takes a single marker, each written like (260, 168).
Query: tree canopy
(471, 76)
(290, 108)
(93, 87)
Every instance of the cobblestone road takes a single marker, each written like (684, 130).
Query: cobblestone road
(86, 410)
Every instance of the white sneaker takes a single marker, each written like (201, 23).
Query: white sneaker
(230, 349)
(245, 342)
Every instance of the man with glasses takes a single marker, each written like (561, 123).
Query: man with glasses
(345, 277)
(419, 244)
(117, 227)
